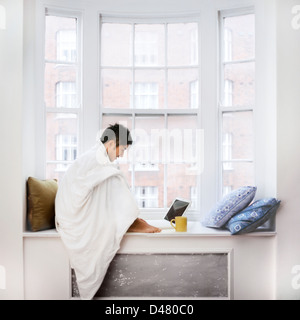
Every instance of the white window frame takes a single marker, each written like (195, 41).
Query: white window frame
(60, 112)
(223, 108)
(209, 85)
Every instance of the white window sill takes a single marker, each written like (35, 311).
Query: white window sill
(195, 229)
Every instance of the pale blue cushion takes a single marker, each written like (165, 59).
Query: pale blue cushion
(254, 216)
(230, 205)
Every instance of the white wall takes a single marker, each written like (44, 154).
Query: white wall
(288, 156)
(11, 188)
(13, 169)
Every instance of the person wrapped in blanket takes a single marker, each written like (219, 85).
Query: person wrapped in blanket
(116, 140)
(94, 208)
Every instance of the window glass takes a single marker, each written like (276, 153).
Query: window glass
(163, 75)
(61, 39)
(61, 91)
(239, 84)
(238, 94)
(149, 45)
(116, 88)
(239, 37)
(116, 43)
(182, 44)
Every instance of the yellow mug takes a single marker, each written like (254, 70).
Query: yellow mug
(180, 224)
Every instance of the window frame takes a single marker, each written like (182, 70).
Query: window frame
(265, 114)
(155, 213)
(78, 64)
(222, 109)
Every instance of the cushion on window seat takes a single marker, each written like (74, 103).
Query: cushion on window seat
(254, 216)
(40, 203)
(230, 205)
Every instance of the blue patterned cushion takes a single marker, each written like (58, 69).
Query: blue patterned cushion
(231, 204)
(254, 216)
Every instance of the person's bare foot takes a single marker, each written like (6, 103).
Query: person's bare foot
(140, 225)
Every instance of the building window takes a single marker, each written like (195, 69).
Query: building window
(66, 45)
(66, 151)
(194, 94)
(146, 45)
(147, 197)
(65, 94)
(146, 95)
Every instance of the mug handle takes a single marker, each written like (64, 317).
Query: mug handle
(171, 222)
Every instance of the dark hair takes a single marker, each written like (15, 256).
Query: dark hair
(118, 133)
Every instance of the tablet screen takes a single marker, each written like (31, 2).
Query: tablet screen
(177, 209)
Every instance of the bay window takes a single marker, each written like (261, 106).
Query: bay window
(157, 77)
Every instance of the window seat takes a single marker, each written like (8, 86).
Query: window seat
(46, 263)
(195, 229)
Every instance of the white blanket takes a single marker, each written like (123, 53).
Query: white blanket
(94, 209)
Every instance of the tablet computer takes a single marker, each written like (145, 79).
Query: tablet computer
(178, 207)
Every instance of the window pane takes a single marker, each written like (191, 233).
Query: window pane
(147, 197)
(146, 95)
(180, 182)
(61, 86)
(238, 135)
(180, 88)
(116, 44)
(116, 88)
(148, 136)
(56, 171)
(149, 89)
(147, 157)
(182, 44)
(149, 46)
(107, 120)
(239, 37)
(182, 158)
(66, 94)
(241, 174)
(239, 84)
(62, 138)
(183, 142)
(61, 39)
